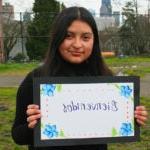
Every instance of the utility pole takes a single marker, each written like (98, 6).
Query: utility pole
(136, 11)
(136, 5)
(21, 32)
(2, 53)
(60, 6)
(148, 11)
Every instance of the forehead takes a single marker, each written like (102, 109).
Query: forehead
(79, 26)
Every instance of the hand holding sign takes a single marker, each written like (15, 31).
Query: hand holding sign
(141, 114)
(33, 114)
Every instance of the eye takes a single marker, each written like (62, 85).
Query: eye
(69, 35)
(86, 37)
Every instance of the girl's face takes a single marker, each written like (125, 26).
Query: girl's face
(78, 43)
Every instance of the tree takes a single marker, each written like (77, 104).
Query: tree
(11, 32)
(143, 35)
(109, 39)
(127, 30)
(39, 28)
(134, 30)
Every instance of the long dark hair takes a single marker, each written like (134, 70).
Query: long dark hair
(55, 65)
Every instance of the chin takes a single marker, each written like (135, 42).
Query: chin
(76, 61)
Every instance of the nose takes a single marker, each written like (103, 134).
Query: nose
(77, 43)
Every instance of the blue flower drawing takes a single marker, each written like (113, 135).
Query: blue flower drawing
(126, 91)
(48, 89)
(50, 131)
(126, 129)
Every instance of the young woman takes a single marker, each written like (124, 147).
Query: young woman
(74, 51)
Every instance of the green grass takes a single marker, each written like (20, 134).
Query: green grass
(17, 68)
(140, 71)
(139, 66)
(129, 65)
(115, 61)
(7, 99)
(144, 143)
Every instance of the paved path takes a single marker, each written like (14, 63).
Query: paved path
(145, 86)
(14, 81)
(10, 81)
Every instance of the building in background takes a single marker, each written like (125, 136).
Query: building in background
(107, 18)
(6, 15)
(106, 8)
(11, 35)
(116, 15)
(2, 55)
(8, 11)
(92, 11)
(104, 22)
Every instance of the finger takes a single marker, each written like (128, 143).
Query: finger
(140, 122)
(33, 117)
(32, 106)
(32, 111)
(142, 118)
(32, 124)
(142, 113)
(140, 108)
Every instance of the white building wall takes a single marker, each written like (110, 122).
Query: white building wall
(104, 22)
(18, 48)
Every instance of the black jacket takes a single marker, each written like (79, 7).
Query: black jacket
(20, 132)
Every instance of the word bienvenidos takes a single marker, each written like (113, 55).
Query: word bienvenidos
(76, 106)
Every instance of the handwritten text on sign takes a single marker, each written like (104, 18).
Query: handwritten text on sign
(86, 110)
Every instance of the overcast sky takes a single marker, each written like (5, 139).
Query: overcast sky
(23, 5)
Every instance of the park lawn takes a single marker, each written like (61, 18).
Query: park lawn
(144, 143)
(17, 68)
(139, 71)
(139, 66)
(116, 61)
(7, 99)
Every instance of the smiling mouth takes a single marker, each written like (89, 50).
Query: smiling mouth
(76, 53)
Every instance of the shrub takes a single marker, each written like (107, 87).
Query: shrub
(19, 57)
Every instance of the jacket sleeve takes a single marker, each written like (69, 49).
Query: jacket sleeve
(21, 134)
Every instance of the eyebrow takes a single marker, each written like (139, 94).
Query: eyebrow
(89, 33)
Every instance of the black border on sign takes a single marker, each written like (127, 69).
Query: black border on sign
(84, 141)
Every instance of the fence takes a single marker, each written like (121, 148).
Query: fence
(14, 32)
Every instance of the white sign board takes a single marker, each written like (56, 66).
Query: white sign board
(86, 110)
